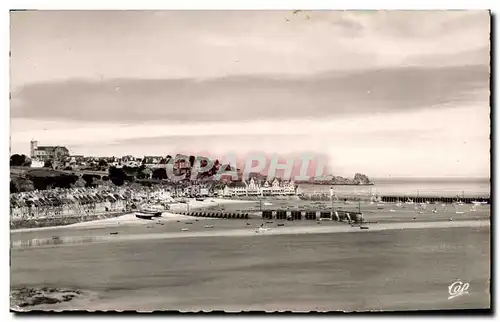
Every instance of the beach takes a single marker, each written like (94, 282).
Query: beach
(398, 263)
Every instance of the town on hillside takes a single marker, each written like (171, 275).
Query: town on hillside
(53, 166)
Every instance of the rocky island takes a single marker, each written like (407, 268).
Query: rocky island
(359, 179)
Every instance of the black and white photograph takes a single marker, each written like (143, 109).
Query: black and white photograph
(284, 160)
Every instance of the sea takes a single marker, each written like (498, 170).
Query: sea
(441, 187)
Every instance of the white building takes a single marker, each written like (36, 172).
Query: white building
(252, 188)
(37, 163)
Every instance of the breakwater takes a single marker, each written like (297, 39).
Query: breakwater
(216, 214)
(435, 199)
(323, 214)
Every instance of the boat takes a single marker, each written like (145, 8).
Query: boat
(148, 211)
(262, 229)
(267, 204)
(185, 229)
(363, 227)
(144, 216)
(208, 226)
(114, 233)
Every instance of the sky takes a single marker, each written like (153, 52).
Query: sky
(385, 93)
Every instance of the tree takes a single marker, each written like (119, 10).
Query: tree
(160, 173)
(117, 176)
(47, 164)
(192, 158)
(13, 187)
(102, 163)
(18, 160)
(80, 183)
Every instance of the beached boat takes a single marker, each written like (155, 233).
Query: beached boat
(149, 210)
(144, 216)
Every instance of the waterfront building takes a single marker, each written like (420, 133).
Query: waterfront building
(253, 188)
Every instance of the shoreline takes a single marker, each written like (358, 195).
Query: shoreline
(249, 232)
(126, 218)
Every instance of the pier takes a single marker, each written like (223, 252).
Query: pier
(434, 199)
(338, 215)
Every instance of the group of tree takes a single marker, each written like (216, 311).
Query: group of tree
(19, 160)
(53, 181)
(20, 184)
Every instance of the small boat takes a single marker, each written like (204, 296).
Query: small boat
(114, 233)
(267, 204)
(248, 224)
(144, 216)
(55, 237)
(185, 229)
(280, 225)
(392, 210)
(363, 227)
(153, 210)
(262, 229)
(200, 199)
(188, 223)
(208, 226)
(459, 212)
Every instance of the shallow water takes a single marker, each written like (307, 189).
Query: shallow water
(393, 269)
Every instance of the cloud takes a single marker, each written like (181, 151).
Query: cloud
(251, 98)
(60, 45)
